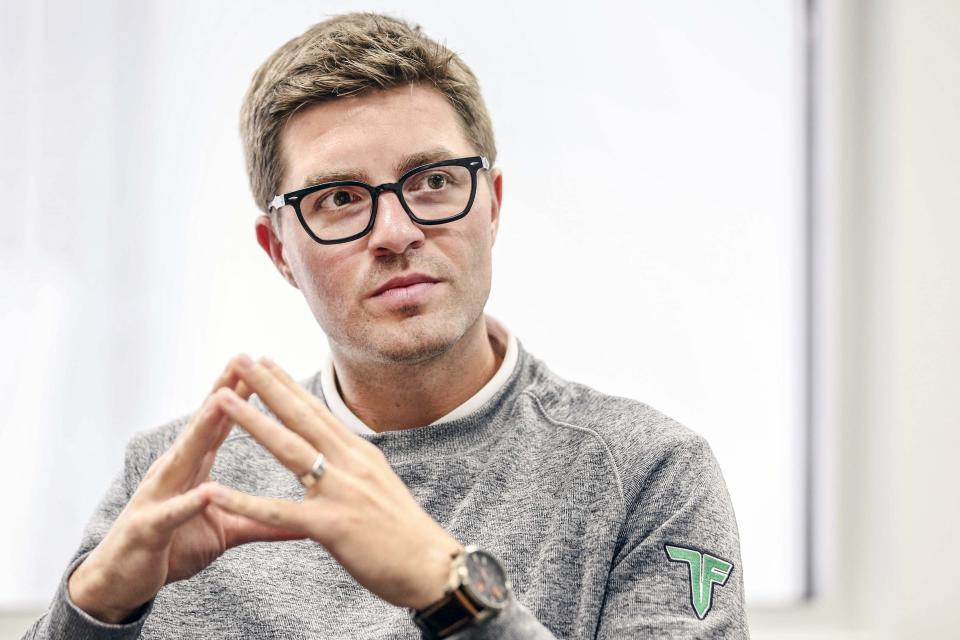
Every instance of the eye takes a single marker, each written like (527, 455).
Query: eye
(338, 198)
(436, 180)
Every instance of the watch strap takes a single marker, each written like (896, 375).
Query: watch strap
(448, 615)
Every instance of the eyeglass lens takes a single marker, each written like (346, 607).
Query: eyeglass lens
(431, 194)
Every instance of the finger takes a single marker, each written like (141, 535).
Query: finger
(288, 447)
(226, 423)
(227, 378)
(295, 413)
(207, 430)
(225, 426)
(180, 462)
(203, 471)
(172, 513)
(336, 427)
(272, 512)
(242, 530)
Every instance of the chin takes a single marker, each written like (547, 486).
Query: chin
(411, 336)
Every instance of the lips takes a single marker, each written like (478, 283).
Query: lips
(403, 281)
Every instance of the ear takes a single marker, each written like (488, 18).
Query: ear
(268, 240)
(496, 197)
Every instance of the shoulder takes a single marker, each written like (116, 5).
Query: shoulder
(643, 445)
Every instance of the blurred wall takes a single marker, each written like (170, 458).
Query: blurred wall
(889, 367)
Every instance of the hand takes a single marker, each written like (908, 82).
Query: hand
(359, 510)
(168, 530)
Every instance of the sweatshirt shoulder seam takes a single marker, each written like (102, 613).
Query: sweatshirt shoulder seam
(592, 432)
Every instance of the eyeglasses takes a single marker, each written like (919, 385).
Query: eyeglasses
(344, 210)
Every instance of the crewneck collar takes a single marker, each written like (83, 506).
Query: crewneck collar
(499, 333)
(487, 424)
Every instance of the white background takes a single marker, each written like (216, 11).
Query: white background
(650, 242)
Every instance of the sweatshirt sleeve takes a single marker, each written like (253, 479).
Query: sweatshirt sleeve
(677, 573)
(516, 622)
(63, 620)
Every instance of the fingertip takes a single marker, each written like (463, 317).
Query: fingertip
(206, 489)
(226, 396)
(243, 390)
(243, 361)
(211, 405)
(218, 493)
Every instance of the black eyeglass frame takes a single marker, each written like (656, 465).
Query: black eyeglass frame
(473, 163)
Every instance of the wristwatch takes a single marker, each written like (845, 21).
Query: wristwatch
(478, 589)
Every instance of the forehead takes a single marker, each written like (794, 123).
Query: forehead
(370, 132)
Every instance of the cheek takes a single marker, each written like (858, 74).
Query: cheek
(322, 276)
(480, 232)
(484, 221)
(472, 254)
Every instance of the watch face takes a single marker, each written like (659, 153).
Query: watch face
(486, 580)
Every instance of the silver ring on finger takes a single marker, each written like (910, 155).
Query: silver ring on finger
(316, 471)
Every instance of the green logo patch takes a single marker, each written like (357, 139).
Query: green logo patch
(705, 571)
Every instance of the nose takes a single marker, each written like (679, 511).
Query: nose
(393, 230)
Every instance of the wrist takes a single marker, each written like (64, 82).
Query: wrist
(435, 581)
(87, 588)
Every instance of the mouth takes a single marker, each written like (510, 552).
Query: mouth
(411, 294)
(404, 285)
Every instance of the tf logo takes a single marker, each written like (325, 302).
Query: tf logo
(705, 570)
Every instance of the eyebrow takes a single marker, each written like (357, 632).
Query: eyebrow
(407, 162)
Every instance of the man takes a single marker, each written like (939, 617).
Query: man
(434, 478)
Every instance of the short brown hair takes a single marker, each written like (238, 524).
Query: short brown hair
(348, 55)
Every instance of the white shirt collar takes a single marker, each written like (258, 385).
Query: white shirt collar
(495, 329)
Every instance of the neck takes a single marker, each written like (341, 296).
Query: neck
(392, 396)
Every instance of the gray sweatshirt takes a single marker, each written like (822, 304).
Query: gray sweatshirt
(612, 521)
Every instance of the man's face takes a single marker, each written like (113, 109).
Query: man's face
(373, 137)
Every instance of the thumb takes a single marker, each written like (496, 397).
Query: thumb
(240, 529)
(175, 511)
